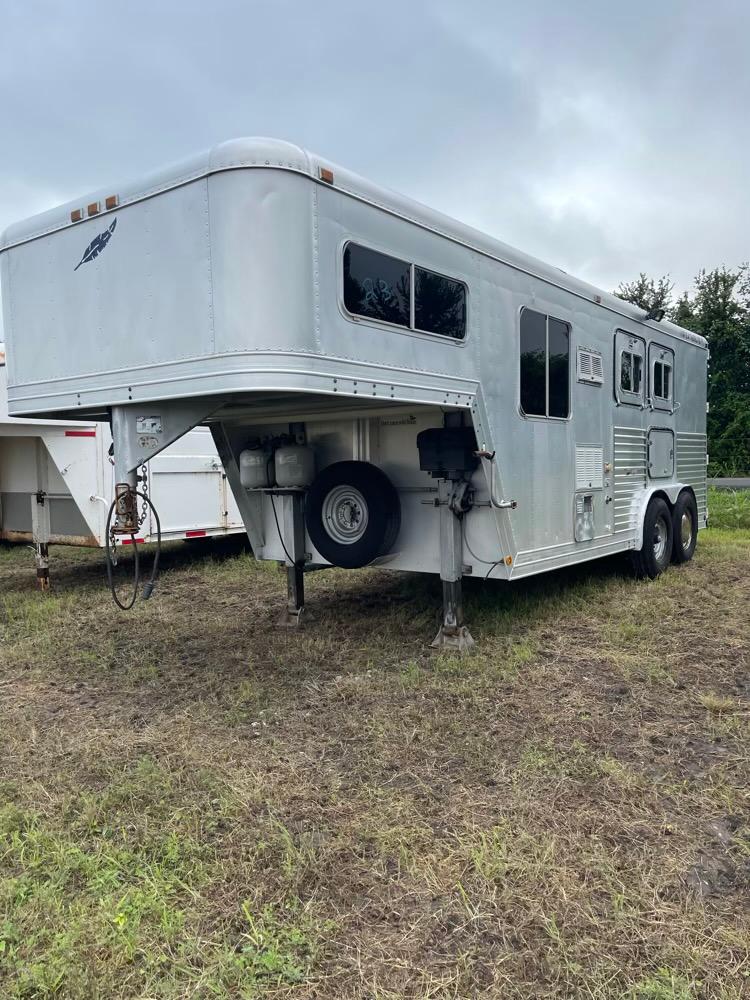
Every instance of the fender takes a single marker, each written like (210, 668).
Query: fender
(669, 491)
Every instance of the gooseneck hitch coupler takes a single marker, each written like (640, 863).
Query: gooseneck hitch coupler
(124, 518)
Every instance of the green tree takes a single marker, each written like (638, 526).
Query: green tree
(646, 292)
(721, 306)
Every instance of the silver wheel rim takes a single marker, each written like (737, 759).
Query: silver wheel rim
(686, 531)
(345, 515)
(661, 538)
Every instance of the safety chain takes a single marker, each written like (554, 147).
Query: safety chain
(144, 491)
(113, 544)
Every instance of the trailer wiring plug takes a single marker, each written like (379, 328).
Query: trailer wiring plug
(111, 560)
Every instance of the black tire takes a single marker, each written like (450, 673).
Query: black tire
(353, 514)
(684, 527)
(656, 552)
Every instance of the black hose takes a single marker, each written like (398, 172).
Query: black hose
(278, 529)
(148, 587)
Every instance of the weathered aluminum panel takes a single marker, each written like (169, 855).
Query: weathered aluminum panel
(630, 475)
(691, 468)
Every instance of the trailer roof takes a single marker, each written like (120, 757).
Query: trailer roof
(238, 154)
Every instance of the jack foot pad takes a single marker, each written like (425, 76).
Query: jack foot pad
(453, 637)
(291, 619)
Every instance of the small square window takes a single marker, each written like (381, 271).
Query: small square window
(662, 380)
(631, 372)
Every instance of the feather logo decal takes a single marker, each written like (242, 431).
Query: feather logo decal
(96, 246)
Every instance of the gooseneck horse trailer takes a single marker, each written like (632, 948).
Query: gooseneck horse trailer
(384, 385)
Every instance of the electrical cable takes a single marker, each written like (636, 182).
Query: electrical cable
(487, 562)
(475, 556)
(278, 528)
(487, 575)
(148, 587)
(269, 460)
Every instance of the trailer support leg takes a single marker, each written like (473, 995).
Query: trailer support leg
(40, 534)
(453, 634)
(293, 533)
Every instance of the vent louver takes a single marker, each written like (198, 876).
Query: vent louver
(589, 468)
(590, 367)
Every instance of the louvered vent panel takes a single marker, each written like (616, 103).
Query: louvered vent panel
(631, 462)
(691, 466)
(590, 367)
(589, 468)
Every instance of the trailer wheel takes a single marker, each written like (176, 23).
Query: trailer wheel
(655, 553)
(353, 514)
(684, 527)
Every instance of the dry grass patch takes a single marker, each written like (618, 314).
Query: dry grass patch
(196, 804)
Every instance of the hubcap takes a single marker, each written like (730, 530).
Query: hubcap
(661, 537)
(345, 515)
(686, 531)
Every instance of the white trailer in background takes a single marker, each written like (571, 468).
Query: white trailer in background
(383, 384)
(57, 482)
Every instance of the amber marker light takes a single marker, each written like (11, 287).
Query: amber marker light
(325, 175)
(112, 201)
(94, 208)
(76, 215)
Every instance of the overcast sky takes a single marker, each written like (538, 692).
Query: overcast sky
(604, 138)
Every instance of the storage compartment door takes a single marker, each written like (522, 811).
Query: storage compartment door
(660, 453)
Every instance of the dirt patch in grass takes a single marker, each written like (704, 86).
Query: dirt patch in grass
(197, 804)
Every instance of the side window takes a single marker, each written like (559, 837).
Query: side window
(377, 286)
(631, 372)
(439, 304)
(630, 368)
(545, 365)
(662, 377)
(558, 342)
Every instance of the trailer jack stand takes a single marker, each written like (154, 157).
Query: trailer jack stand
(292, 533)
(41, 555)
(453, 634)
(291, 616)
(40, 530)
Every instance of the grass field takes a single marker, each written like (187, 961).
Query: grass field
(195, 804)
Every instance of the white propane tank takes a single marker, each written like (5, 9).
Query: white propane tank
(254, 467)
(295, 466)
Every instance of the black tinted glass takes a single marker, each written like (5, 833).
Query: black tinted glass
(626, 371)
(637, 372)
(533, 363)
(559, 354)
(439, 304)
(658, 391)
(376, 285)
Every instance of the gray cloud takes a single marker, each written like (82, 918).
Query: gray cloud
(607, 141)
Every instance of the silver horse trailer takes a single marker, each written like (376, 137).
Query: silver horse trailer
(384, 385)
(57, 481)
